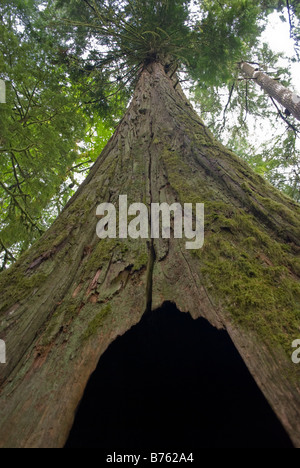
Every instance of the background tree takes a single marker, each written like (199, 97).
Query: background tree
(278, 92)
(253, 124)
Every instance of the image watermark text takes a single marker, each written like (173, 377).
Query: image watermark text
(2, 92)
(296, 354)
(155, 222)
(2, 352)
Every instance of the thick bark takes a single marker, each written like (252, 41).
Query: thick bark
(280, 93)
(71, 295)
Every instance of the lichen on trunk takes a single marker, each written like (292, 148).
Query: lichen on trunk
(71, 295)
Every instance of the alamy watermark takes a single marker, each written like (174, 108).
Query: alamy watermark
(2, 352)
(152, 223)
(2, 92)
(296, 354)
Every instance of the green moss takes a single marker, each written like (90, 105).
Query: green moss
(250, 274)
(20, 285)
(183, 180)
(280, 209)
(142, 260)
(246, 188)
(250, 271)
(62, 318)
(96, 323)
(101, 254)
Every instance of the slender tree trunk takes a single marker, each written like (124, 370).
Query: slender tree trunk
(280, 93)
(71, 295)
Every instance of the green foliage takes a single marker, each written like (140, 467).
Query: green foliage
(227, 31)
(141, 31)
(42, 125)
(161, 32)
(110, 41)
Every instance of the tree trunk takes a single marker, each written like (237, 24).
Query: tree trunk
(285, 97)
(71, 295)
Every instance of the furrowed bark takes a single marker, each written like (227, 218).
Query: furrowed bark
(285, 97)
(71, 295)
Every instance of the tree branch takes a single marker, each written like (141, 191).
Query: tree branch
(227, 105)
(15, 150)
(7, 252)
(246, 101)
(282, 116)
(14, 198)
(73, 168)
(89, 5)
(30, 99)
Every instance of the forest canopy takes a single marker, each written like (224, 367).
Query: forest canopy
(70, 67)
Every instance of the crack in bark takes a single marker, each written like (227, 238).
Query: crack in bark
(150, 244)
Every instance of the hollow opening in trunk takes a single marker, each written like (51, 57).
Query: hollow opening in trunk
(172, 382)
